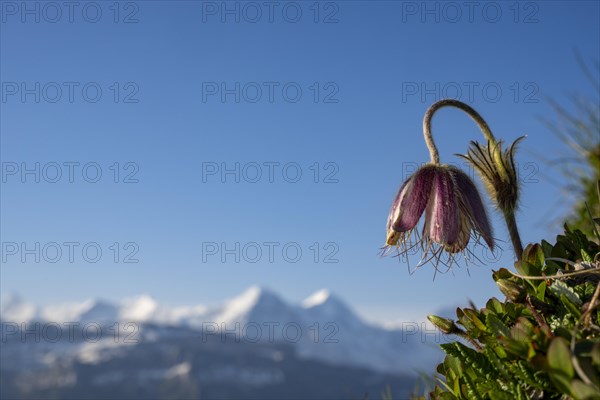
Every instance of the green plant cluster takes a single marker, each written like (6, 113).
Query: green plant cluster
(542, 341)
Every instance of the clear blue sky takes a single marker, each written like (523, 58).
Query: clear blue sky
(372, 61)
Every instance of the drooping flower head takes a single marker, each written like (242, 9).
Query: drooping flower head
(452, 208)
(449, 200)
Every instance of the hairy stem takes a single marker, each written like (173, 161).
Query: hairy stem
(433, 151)
(513, 231)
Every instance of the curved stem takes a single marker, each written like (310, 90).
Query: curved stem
(433, 151)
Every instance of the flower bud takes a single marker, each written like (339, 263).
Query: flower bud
(447, 326)
(514, 292)
(497, 171)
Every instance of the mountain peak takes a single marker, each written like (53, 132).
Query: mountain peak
(14, 308)
(255, 294)
(317, 298)
(139, 308)
(98, 311)
(250, 295)
(324, 304)
(252, 301)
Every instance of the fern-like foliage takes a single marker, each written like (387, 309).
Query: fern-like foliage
(542, 341)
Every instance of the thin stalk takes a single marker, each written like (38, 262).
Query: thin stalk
(513, 231)
(595, 271)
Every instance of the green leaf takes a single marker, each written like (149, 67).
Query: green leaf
(559, 250)
(496, 326)
(518, 359)
(573, 309)
(452, 363)
(562, 382)
(534, 255)
(560, 367)
(502, 273)
(519, 341)
(547, 248)
(559, 288)
(495, 306)
(596, 355)
(583, 391)
(583, 353)
(541, 291)
(459, 313)
(559, 357)
(528, 269)
(499, 395)
(474, 317)
(585, 256)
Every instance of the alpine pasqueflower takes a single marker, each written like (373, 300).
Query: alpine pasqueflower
(454, 212)
(449, 199)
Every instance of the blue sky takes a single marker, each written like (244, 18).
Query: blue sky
(366, 72)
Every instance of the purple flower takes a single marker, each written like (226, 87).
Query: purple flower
(453, 212)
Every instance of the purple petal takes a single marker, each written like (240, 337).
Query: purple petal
(442, 217)
(474, 206)
(396, 204)
(412, 200)
(464, 234)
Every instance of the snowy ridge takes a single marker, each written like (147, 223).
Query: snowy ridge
(321, 327)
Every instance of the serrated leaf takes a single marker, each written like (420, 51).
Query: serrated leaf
(519, 359)
(559, 288)
(585, 256)
(499, 395)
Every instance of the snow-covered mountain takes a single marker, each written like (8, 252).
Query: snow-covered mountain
(322, 327)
